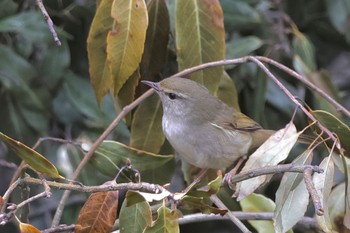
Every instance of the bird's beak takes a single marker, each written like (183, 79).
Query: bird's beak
(154, 85)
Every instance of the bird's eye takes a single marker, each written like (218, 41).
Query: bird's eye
(172, 96)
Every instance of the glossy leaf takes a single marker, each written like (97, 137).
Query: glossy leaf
(202, 21)
(304, 49)
(135, 218)
(292, 197)
(165, 222)
(213, 187)
(38, 162)
(27, 23)
(239, 15)
(335, 125)
(146, 128)
(338, 12)
(154, 55)
(84, 102)
(239, 47)
(15, 69)
(28, 228)
(272, 152)
(199, 203)
(323, 184)
(324, 81)
(110, 156)
(125, 42)
(100, 74)
(336, 206)
(258, 203)
(98, 213)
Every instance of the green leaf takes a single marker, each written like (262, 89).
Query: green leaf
(335, 125)
(54, 64)
(202, 21)
(292, 196)
(7, 7)
(239, 15)
(272, 152)
(38, 162)
(338, 12)
(213, 187)
(146, 128)
(110, 156)
(15, 70)
(199, 203)
(166, 221)
(100, 75)
(323, 81)
(258, 203)
(239, 47)
(323, 184)
(304, 49)
(133, 197)
(135, 218)
(30, 24)
(125, 43)
(155, 52)
(84, 101)
(337, 205)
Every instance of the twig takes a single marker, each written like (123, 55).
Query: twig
(7, 194)
(48, 21)
(272, 170)
(307, 83)
(306, 222)
(4, 218)
(61, 140)
(88, 155)
(60, 228)
(293, 98)
(272, 62)
(232, 217)
(312, 190)
(143, 186)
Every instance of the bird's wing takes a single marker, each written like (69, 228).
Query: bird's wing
(237, 121)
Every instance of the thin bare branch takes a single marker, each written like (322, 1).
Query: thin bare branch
(271, 170)
(232, 217)
(306, 223)
(313, 193)
(307, 83)
(48, 21)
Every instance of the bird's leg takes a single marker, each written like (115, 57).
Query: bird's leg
(231, 173)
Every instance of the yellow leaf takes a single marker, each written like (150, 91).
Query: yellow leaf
(27, 228)
(38, 162)
(125, 43)
(101, 77)
(202, 22)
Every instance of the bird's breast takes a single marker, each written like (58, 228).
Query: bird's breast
(204, 145)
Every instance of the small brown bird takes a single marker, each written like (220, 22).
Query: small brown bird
(205, 131)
